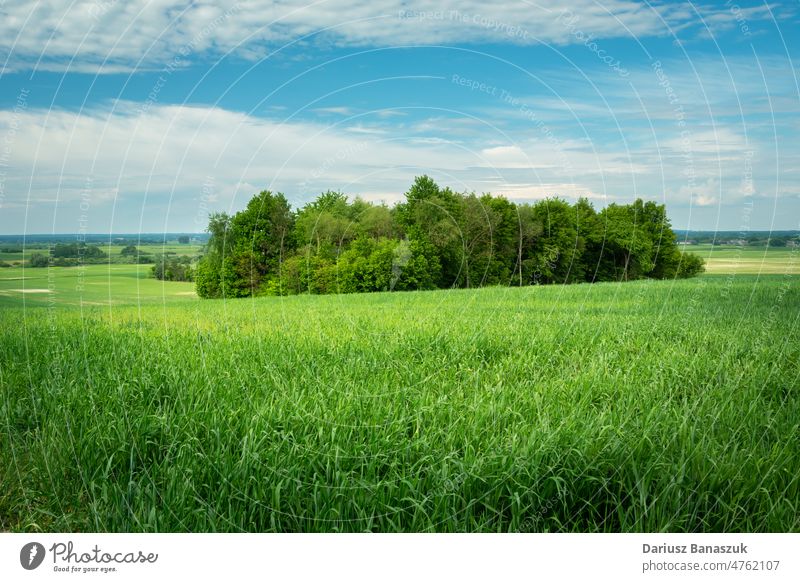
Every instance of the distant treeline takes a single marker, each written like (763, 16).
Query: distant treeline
(778, 238)
(68, 255)
(437, 238)
(79, 253)
(167, 265)
(114, 239)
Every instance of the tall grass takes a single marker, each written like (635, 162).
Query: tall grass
(645, 406)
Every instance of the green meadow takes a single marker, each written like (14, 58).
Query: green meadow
(130, 405)
(748, 260)
(85, 286)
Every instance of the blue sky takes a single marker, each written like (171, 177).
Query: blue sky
(143, 116)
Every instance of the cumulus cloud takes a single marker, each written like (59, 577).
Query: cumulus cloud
(123, 150)
(122, 155)
(158, 148)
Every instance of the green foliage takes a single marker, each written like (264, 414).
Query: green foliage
(245, 251)
(76, 254)
(77, 251)
(207, 280)
(168, 268)
(435, 239)
(383, 265)
(208, 275)
(38, 260)
(690, 265)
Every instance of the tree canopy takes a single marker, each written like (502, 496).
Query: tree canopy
(436, 238)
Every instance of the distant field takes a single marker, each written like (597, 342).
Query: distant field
(87, 285)
(747, 260)
(641, 406)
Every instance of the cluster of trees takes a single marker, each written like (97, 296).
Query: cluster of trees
(132, 254)
(437, 238)
(38, 260)
(173, 268)
(77, 251)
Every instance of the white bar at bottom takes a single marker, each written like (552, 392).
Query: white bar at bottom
(388, 557)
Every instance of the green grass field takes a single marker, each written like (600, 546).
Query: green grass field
(748, 260)
(642, 406)
(87, 286)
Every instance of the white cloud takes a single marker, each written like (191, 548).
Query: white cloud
(334, 110)
(567, 190)
(507, 157)
(358, 128)
(133, 158)
(114, 35)
(720, 143)
(705, 193)
(121, 157)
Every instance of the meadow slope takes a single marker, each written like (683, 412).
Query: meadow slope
(642, 406)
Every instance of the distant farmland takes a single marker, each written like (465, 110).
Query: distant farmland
(752, 260)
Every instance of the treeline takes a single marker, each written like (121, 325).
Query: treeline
(437, 238)
(777, 239)
(77, 250)
(79, 253)
(49, 240)
(68, 255)
(167, 265)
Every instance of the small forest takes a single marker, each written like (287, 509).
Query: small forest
(435, 239)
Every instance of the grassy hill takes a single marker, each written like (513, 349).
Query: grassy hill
(642, 406)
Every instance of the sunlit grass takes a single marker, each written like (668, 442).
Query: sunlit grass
(642, 406)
